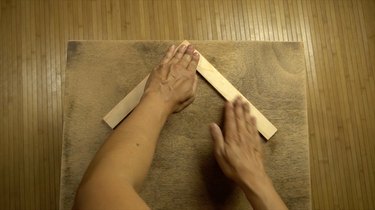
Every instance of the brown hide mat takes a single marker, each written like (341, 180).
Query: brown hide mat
(184, 174)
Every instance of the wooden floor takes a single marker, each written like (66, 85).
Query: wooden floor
(339, 39)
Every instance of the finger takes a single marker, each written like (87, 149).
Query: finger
(246, 108)
(195, 84)
(253, 125)
(194, 62)
(186, 58)
(254, 131)
(168, 55)
(217, 137)
(239, 115)
(180, 52)
(229, 122)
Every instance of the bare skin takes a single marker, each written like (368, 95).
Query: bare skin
(238, 151)
(121, 164)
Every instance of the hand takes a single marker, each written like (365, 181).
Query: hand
(239, 151)
(174, 80)
(239, 154)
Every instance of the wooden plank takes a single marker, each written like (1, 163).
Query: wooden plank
(126, 105)
(213, 76)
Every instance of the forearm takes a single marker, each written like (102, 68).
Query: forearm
(261, 194)
(122, 163)
(127, 154)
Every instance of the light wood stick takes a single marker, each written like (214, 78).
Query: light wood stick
(213, 76)
(126, 105)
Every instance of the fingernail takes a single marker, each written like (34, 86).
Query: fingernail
(196, 54)
(173, 46)
(183, 47)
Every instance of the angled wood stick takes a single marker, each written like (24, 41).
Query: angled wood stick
(213, 76)
(126, 105)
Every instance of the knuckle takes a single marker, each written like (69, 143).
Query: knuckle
(177, 66)
(187, 57)
(231, 137)
(179, 54)
(193, 64)
(238, 117)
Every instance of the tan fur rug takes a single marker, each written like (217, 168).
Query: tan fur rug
(184, 174)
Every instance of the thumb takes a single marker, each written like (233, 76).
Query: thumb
(217, 137)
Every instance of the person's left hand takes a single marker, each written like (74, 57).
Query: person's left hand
(173, 82)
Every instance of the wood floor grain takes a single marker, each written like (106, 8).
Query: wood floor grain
(339, 40)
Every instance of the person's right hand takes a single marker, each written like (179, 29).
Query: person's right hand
(173, 82)
(238, 149)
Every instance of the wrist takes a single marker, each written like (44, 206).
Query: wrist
(262, 194)
(256, 184)
(156, 101)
